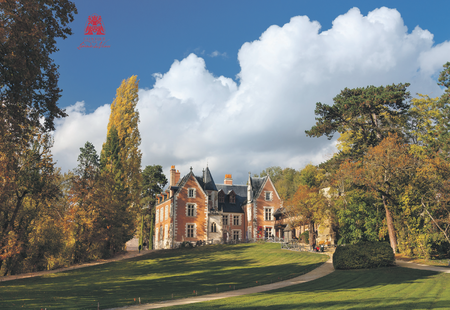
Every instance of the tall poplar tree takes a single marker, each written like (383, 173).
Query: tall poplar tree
(124, 118)
(120, 162)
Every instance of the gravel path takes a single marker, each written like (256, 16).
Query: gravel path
(319, 272)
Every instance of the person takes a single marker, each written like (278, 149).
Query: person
(140, 246)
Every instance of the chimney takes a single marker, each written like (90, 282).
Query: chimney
(177, 177)
(228, 180)
(172, 174)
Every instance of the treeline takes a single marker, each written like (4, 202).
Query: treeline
(390, 179)
(49, 219)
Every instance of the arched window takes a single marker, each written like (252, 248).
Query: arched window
(213, 227)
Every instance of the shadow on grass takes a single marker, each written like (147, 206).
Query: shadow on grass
(158, 275)
(384, 288)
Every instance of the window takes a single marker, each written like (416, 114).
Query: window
(213, 227)
(157, 216)
(268, 232)
(167, 212)
(156, 234)
(161, 214)
(191, 193)
(268, 196)
(236, 234)
(268, 214)
(236, 220)
(225, 220)
(166, 231)
(232, 198)
(221, 197)
(190, 230)
(191, 209)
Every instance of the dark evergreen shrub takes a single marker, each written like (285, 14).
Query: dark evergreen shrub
(186, 245)
(363, 255)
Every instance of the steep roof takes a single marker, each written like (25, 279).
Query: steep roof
(208, 180)
(241, 197)
(258, 185)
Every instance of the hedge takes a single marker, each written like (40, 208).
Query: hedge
(363, 255)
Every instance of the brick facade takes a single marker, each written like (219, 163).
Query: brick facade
(197, 209)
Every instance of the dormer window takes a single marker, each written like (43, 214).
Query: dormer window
(221, 197)
(232, 198)
(268, 196)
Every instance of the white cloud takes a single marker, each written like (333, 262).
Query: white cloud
(191, 117)
(217, 54)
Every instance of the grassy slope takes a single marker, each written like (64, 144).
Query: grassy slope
(384, 288)
(157, 276)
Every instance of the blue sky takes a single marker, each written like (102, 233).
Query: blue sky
(233, 84)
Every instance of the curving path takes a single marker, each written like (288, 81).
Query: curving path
(323, 270)
(319, 272)
(406, 264)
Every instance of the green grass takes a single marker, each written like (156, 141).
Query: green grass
(384, 288)
(158, 275)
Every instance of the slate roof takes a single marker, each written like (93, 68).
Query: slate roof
(257, 185)
(241, 198)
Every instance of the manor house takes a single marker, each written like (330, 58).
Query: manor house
(195, 208)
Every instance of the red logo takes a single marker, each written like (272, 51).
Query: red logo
(94, 25)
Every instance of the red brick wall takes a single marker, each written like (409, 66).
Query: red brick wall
(261, 202)
(182, 200)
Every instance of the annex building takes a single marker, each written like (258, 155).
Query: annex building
(195, 208)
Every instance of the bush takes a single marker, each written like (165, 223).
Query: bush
(305, 237)
(186, 245)
(363, 255)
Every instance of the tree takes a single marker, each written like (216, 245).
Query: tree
(120, 162)
(306, 207)
(387, 169)
(88, 161)
(153, 182)
(125, 119)
(29, 188)
(28, 76)
(364, 115)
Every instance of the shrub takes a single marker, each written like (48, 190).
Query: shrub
(186, 245)
(363, 255)
(305, 237)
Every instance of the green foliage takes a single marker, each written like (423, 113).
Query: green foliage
(305, 237)
(365, 115)
(88, 161)
(360, 217)
(28, 76)
(363, 255)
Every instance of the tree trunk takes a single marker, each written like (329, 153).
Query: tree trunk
(150, 237)
(390, 225)
(312, 233)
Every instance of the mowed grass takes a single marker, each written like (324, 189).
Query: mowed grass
(384, 288)
(158, 275)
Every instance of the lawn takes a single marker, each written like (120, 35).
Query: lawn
(384, 288)
(158, 275)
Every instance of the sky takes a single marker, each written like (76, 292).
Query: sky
(232, 85)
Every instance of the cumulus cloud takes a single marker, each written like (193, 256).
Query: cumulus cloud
(192, 118)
